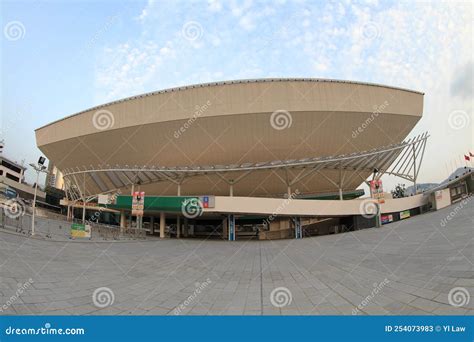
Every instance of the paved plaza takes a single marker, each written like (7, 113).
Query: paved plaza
(406, 268)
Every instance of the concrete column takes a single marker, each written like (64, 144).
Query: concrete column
(288, 191)
(84, 211)
(122, 220)
(340, 195)
(231, 190)
(162, 225)
(152, 225)
(179, 189)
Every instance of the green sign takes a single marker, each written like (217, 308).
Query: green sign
(80, 230)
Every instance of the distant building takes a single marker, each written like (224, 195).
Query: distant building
(54, 177)
(12, 177)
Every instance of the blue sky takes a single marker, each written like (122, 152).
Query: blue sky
(72, 55)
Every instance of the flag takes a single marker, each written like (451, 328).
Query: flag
(467, 158)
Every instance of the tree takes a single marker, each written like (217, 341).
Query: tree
(399, 191)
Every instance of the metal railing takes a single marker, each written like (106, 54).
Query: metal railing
(57, 229)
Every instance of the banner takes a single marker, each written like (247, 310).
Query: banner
(376, 190)
(138, 203)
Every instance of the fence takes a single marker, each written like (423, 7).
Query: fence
(61, 229)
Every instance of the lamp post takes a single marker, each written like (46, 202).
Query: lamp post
(39, 167)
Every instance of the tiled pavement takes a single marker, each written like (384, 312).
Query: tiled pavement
(419, 258)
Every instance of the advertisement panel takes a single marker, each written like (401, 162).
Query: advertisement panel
(376, 190)
(138, 203)
(79, 230)
(404, 214)
(387, 219)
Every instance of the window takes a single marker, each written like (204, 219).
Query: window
(9, 176)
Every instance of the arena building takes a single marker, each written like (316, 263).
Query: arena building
(274, 157)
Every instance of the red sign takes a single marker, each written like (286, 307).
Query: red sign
(376, 190)
(138, 203)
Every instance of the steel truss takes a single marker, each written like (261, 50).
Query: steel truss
(402, 160)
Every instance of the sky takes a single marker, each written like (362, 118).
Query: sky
(62, 57)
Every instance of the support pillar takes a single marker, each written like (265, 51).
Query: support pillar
(231, 190)
(84, 211)
(340, 195)
(83, 200)
(152, 225)
(414, 169)
(122, 220)
(231, 221)
(288, 191)
(162, 225)
(378, 217)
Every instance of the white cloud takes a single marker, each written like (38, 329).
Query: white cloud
(421, 46)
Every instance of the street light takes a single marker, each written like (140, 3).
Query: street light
(39, 167)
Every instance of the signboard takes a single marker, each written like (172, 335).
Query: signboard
(404, 214)
(376, 190)
(387, 219)
(138, 203)
(106, 199)
(79, 230)
(207, 201)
